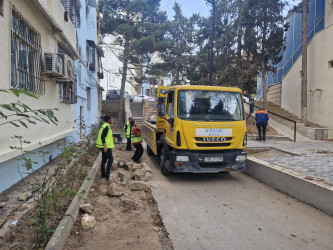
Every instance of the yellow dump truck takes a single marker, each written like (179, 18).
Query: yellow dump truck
(198, 129)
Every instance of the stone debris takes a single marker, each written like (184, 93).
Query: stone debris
(147, 169)
(122, 177)
(136, 167)
(139, 186)
(114, 178)
(87, 208)
(4, 234)
(128, 165)
(121, 164)
(147, 177)
(138, 175)
(88, 221)
(2, 204)
(23, 197)
(114, 191)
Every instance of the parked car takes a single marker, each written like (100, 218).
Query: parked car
(139, 98)
(114, 94)
(127, 95)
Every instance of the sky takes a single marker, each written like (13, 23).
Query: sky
(188, 7)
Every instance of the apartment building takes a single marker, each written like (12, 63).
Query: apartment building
(39, 47)
(284, 85)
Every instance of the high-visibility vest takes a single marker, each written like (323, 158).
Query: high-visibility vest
(108, 138)
(127, 131)
(135, 138)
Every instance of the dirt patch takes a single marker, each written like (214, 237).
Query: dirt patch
(131, 221)
(23, 237)
(252, 128)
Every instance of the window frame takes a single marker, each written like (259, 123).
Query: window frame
(26, 54)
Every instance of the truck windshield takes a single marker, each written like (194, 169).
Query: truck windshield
(201, 105)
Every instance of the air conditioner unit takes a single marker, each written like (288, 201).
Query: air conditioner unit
(53, 64)
(68, 68)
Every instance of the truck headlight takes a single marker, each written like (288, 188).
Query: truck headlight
(241, 158)
(182, 158)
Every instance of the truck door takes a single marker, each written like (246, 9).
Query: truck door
(170, 104)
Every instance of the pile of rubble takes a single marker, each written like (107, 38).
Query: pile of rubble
(124, 176)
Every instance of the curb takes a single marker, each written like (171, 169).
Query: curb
(316, 193)
(270, 137)
(64, 228)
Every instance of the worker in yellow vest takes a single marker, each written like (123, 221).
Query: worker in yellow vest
(136, 139)
(127, 133)
(105, 143)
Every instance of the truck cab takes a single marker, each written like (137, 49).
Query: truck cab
(200, 129)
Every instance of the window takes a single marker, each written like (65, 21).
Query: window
(67, 92)
(170, 105)
(88, 99)
(72, 10)
(201, 105)
(25, 56)
(1, 7)
(90, 55)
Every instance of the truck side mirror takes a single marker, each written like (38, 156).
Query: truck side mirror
(161, 109)
(251, 106)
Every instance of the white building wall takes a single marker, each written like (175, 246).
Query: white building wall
(320, 77)
(85, 77)
(42, 136)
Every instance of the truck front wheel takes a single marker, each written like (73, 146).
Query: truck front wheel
(164, 163)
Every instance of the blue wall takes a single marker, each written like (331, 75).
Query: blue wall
(316, 21)
(12, 168)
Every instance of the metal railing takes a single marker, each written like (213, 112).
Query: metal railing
(282, 118)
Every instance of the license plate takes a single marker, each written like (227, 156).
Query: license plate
(213, 159)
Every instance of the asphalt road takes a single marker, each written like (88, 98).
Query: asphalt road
(234, 211)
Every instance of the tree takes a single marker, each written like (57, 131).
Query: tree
(304, 63)
(266, 25)
(136, 25)
(179, 33)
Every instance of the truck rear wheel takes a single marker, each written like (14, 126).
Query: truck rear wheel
(164, 163)
(149, 151)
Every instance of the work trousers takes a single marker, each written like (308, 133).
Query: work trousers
(262, 126)
(106, 157)
(138, 152)
(128, 145)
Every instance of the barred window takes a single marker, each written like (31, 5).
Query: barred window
(72, 10)
(67, 92)
(25, 55)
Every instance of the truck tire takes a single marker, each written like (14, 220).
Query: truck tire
(164, 163)
(149, 151)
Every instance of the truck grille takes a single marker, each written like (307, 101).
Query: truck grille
(213, 144)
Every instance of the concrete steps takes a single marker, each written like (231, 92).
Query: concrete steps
(137, 111)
